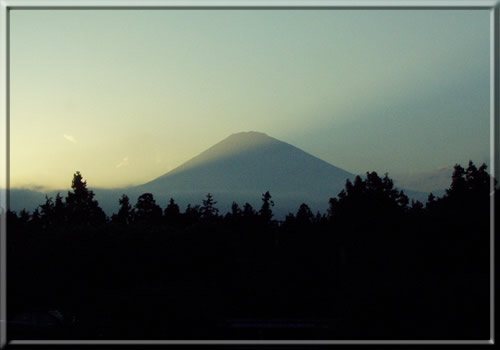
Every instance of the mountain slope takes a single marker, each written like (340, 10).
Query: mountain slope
(248, 162)
(245, 165)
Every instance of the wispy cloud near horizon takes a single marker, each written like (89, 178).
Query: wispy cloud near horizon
(70, 138)
(124, 162)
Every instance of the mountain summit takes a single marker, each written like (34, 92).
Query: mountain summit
(233, 146)
(247, 164)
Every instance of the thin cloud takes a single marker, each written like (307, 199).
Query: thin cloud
(124, 162)
(70, 138)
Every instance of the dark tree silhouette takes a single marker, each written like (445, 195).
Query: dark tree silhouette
(304, 215)
(125, 213)
(81, 207)
(192, 214)
(431, 199)
(208, 209)
(59, 209)
(12, 219)
(372, 268)
(53, 214)
(172, 212)
(320, 218)
(469, 183)
(417, 206)
(235, 214)
(248, 211)
(146, 209)
(235, 210)
(373, 199)
(467, 200)
(458, 184)
(265, 212)
(24, 217)
(48, 216)
(35, 220)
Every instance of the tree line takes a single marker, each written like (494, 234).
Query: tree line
(375, 265)
(80, 210)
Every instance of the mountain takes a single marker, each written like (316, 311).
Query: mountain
(239, 168)
(248, 162)
(244, 166)
(434, 181)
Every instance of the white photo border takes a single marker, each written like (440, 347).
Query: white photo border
(7, 5)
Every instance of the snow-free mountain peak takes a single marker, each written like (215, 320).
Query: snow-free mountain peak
(243, 166)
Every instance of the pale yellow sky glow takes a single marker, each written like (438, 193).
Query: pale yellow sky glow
(125, 96)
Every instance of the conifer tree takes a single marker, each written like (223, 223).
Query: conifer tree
(125, 213)
(172, 211)
(265, 212)
(81, 207)
(146, 208)
(304, 215)
(208, 209)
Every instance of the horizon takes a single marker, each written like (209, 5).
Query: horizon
(439, 173)
(127, 96)
(238, 169)
(413, 181)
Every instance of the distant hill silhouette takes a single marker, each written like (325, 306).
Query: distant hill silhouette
(239, 168)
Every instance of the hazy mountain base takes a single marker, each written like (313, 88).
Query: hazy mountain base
(239, 168)
(108, 199)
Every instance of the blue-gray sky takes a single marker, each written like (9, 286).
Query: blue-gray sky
(127, 95)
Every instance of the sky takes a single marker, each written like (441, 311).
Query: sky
(124, 96)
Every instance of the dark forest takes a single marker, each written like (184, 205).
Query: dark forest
(375, 266)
